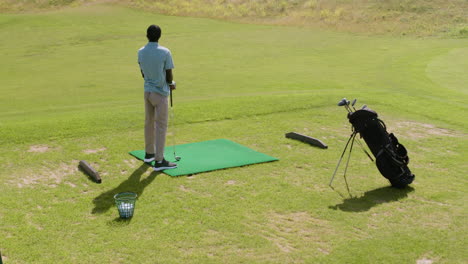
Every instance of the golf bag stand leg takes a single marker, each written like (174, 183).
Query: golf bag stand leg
(351, 138)
(347, 163)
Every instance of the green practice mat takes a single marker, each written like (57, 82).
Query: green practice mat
(208, 156)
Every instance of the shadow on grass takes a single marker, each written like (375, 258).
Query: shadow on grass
(372, 198)
(105, 201)
(119, 222)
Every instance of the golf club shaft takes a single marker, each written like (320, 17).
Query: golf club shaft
(170, 95)
(353, 103)
(172, 126)
(347, 108)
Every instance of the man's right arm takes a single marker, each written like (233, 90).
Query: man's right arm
(142, 74)
(169, 77)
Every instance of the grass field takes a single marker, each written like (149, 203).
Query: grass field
(71, 90)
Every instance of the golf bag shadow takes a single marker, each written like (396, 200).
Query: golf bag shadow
(391, 157)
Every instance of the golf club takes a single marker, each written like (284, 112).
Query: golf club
(349, 108)
(343, 103)
(177, 158)
(353, 103)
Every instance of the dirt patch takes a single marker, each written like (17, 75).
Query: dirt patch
(46, 176)
(430, 201)
(424, 261)
(427, 260)
(39, 148)
(92, 151)
(415, 130)
(132, 162)
(71, 184)
(231, 182)
(184, 189)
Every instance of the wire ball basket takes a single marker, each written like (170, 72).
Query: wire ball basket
(125, 203)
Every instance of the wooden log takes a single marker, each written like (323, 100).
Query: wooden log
(310, 140)
(90, 171)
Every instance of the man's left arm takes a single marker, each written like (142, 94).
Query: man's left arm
(170, 79)
(169, 65)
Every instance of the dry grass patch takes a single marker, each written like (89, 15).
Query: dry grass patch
(296, 232)
(425, 259)
(185, 189)
(132, 163)
(415, 130)
(92, 151)
(216, 245)
(39, 148)
(231, 182)
(46, 176)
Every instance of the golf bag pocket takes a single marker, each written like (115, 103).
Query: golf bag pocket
(400, 151)
(393, 167)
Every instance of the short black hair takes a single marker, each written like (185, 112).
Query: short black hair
(153, 33)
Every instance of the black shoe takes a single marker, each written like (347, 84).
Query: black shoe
(164, 165)
(148, 157)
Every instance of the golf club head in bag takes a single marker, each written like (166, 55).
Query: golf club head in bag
(344, 102)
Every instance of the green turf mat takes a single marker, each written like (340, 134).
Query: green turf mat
(208, 156)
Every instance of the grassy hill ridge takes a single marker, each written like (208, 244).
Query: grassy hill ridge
(394, 17)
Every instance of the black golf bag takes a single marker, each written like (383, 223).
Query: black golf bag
(390, 156)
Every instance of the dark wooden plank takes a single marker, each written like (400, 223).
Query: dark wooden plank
(306, 139)
(90, 171)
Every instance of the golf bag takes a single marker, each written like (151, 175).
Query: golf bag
(391, 157)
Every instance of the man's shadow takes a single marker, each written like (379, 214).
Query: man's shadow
(105, 201)
(372, 198)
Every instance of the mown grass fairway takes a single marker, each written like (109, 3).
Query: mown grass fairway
(71, 90)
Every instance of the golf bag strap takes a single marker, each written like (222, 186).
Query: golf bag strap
(382, 123)
(392, 155)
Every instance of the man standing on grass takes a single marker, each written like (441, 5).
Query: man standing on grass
(156, 68)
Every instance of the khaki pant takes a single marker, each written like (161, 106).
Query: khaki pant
(156, 109)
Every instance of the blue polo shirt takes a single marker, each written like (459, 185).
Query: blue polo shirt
(154, 60)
